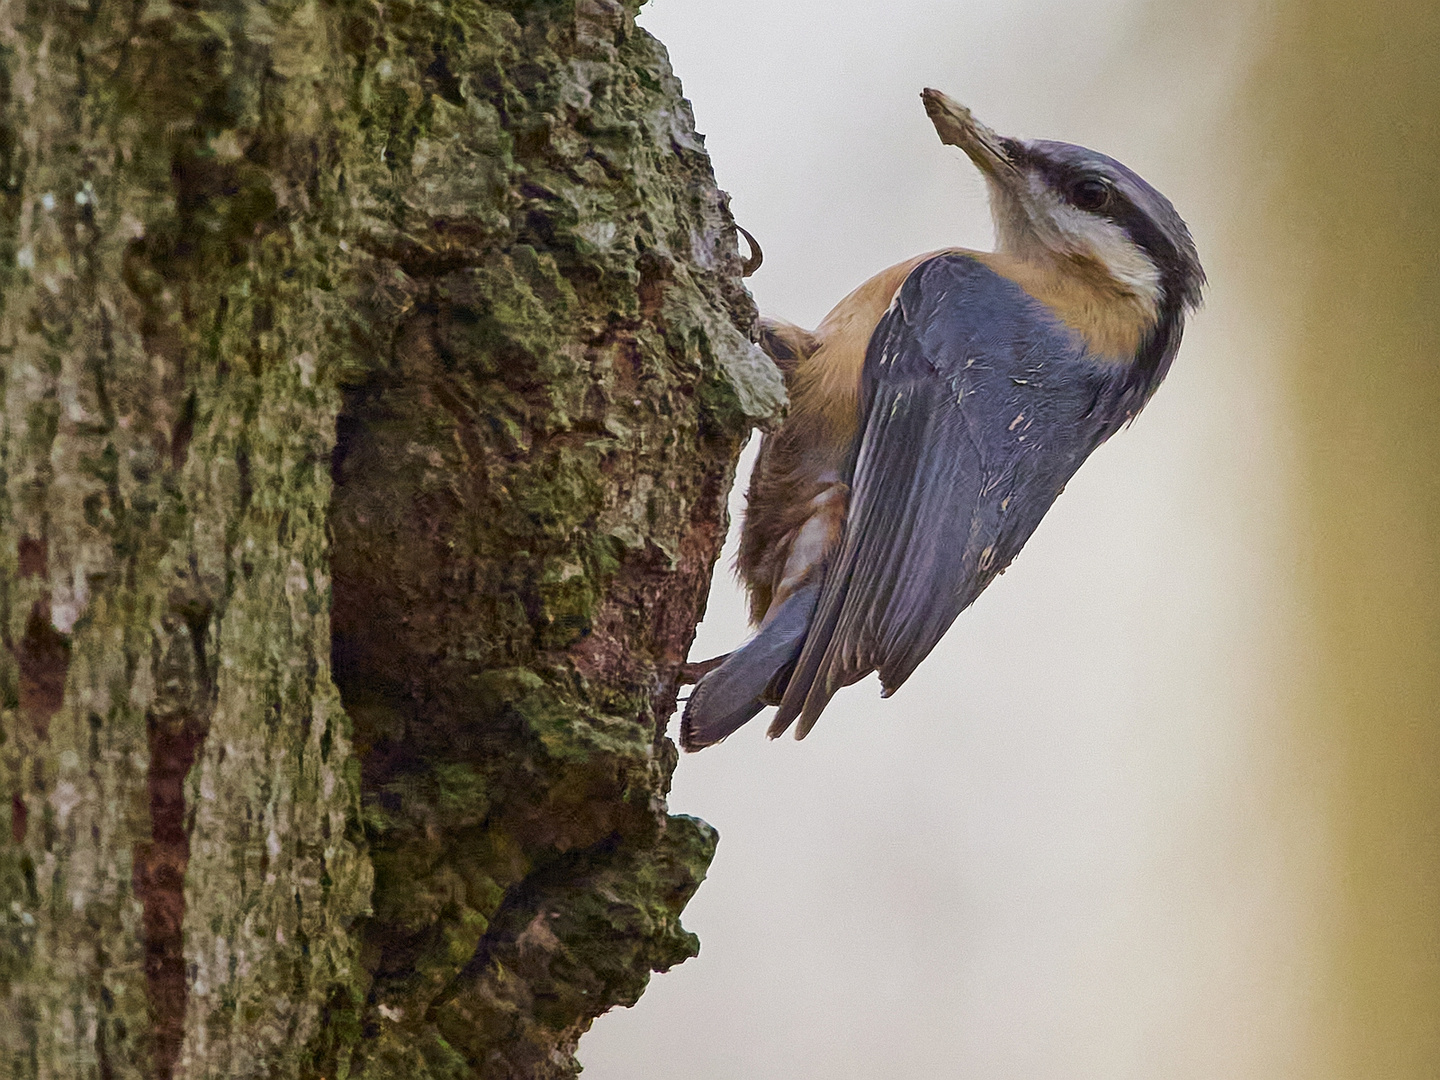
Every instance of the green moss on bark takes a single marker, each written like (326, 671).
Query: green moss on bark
(175, 752)
(530, 496)
(486, 235)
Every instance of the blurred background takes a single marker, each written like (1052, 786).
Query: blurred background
(1166, 801)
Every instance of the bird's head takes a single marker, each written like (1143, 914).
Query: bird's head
(1055, 202)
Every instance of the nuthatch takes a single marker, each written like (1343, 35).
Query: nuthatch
(936, 414)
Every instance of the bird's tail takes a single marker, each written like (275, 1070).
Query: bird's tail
(747, 681)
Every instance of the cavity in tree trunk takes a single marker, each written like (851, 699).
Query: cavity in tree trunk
(373, 379)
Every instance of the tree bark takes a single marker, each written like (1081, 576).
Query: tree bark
(483, 243)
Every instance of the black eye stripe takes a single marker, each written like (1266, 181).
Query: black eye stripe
(1080, 186)
(1146, 216)
(1091, 193)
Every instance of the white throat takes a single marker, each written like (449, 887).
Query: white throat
(1040, 227)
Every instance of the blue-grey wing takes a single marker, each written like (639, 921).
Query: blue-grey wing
(979, 407)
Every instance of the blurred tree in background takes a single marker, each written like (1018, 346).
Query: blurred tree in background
(1345, 108)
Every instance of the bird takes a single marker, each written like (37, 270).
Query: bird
(935, 415)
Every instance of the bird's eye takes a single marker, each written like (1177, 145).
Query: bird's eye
(1091, 193)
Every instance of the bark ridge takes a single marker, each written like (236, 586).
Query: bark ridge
(373, 379)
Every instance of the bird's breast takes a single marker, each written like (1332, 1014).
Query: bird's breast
(795, 507)
(825, 389)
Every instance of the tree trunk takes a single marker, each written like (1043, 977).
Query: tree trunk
(482, 241)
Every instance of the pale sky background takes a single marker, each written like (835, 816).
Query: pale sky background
(1080, 843)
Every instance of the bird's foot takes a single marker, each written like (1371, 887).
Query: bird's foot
(693, 673)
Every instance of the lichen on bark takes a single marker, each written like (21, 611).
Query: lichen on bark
(530, 496)
(173, 744)
(484, 239)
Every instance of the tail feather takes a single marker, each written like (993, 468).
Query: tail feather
(732, 694)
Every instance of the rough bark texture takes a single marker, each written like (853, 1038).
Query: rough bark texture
(485, 240)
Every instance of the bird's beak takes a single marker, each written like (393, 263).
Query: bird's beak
(957, 126)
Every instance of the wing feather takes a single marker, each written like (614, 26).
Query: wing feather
(979, 406)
